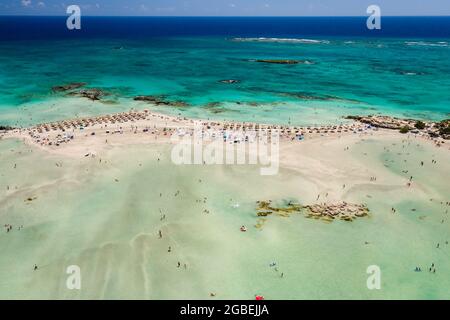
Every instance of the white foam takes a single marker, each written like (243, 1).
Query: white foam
(428, 44)
(282, 40)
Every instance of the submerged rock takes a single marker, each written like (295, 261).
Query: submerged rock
(68, 87)
(211, 105)
(148, 98)
(231, 81)
(93, 94)
(178, 103)
(310, 97)
(266, 208)
(215, 107)
(161, 100)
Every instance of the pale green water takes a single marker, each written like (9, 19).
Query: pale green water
(110, 229)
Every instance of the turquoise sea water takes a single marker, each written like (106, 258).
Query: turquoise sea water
(351, 75)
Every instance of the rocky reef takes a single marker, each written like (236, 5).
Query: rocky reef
(161, 101)
(326, 211)
(214, 107)
(153, 99)
(68, 87)
(310, 97)
(433, 129)
(343, 211)
(265, 208)
(230, 81)
(93, 94)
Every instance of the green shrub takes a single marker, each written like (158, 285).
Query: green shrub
(420, 125)
(404, 129)
(444, 131)
(5, 128)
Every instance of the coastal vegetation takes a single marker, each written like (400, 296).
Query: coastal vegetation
(433, 129)
(5, 128)
(444, 128)
(420, 125)
(404, 129)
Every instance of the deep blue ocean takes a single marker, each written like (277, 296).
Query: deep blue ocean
(402, 69)
(19, 28)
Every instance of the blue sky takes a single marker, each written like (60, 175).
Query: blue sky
(226, 7)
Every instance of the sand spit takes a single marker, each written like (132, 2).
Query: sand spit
(137, 127)
(140, 123)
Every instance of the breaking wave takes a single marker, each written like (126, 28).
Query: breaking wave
(282, 40)
(428, 44)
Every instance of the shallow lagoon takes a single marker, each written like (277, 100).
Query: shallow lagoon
(105, 217)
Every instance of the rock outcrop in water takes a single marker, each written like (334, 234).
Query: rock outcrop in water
(230, 81)
(343, 211)
(326, 211)
(265, 208)
(68, 87)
